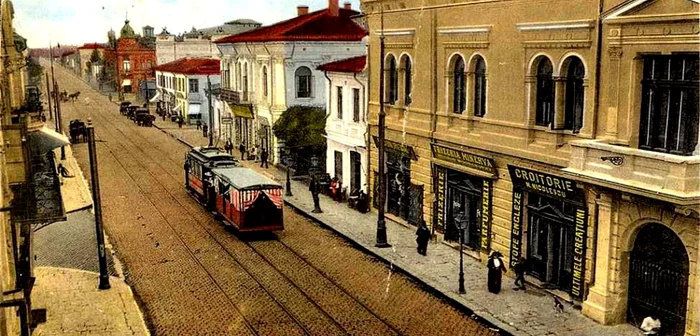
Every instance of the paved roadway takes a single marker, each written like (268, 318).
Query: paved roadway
(193, 276)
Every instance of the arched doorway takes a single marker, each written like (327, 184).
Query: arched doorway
(658, 278)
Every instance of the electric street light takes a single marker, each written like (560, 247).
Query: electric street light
(97, 201)
(381, 241)
(461, 224)
(288, 191)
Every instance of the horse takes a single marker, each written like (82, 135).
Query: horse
(74, 96)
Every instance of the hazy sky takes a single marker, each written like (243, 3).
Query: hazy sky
(82, 21)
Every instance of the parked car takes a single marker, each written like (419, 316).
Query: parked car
(123, 107)
(144, 118)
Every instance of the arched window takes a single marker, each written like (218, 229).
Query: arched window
(479, 86)
(459, 99)
(264, 81)
(545, 93)
(407, 81)
(238, 76)
(392, 94)
(244, 81)
(303, 82)
(573, 108)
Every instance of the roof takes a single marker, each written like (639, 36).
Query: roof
(68, 53)
(243, 178)
(191, 66)
(92, 46)
(211, 154)
(127, 31)
(316, 26)
(354, 64)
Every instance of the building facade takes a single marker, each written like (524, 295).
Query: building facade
(181, 87)
(568, 137)
(346, 122)
(198, 42)
(130, 59)
(91, 56)
(266, 70)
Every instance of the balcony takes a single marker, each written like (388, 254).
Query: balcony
(230, 96)
(662, 176)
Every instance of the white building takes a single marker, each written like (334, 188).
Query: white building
(180, 87)
(267, 70)
(346, 124)
(198, 42)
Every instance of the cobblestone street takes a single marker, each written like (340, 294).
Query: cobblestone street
(193, 276)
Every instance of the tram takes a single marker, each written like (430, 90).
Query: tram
(244, 198)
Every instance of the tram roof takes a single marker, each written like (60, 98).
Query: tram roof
(243, 178)
(211, 154)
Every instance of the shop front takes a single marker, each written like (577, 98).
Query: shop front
(554, 211)
(404, 199)
(462, 183)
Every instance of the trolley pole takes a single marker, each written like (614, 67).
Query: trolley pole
(92, 152)
(381, 223)
(48, 94)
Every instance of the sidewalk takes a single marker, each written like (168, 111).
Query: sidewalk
(75, 190)
(517, 312)
(74, 305)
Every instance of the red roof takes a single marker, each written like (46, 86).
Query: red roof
(191, 66)
(92, 46)
(68, 53)
(354, 64)
(316, 26)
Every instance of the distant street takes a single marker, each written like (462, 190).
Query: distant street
(193, 276)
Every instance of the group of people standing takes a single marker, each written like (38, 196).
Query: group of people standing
(264, 156)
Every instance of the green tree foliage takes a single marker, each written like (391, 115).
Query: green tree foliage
(95, 57)
(302, 126)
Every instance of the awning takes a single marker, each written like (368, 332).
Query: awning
(155, 97)
(46, 139)
(242, 111)
(194, 109)
(126, 82)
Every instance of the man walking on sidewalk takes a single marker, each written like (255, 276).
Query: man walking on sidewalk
(205, 128)
(263, 158)
(519, 268)
(199, 123)
(179, 122)
(423, 234)
(241, 148)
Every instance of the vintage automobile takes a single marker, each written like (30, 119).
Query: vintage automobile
(123, 107)
(144, 118)
(131, 111)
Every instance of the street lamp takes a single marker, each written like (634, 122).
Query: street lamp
(381, 241)
(288, 191)
(461, 224)
(97, 206)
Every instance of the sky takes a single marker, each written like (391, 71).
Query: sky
(75, 22)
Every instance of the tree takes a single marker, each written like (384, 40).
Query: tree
(302, 126)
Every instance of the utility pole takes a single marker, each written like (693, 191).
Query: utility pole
(97, 202)
(211, 114)
(48, 94)
(59, 122)
(381, 223)
(53, 82)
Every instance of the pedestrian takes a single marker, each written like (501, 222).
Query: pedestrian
(163, 115)
(241, 148)
(199, 123)
(254, 154)
(496, 269)
(651, 325)
(205, 129)
(423, 234)
(519, 268)
(179, 122)
(228, 146)
(313, 188)
(263, 158)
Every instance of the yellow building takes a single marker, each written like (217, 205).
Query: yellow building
(496, 113)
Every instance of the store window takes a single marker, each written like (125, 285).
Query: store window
(464, 203)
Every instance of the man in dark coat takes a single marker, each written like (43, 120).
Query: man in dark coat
(313, 188)
(241, 148)
(496, 269)
(205, 130)
(263, 158)
(179, 122)
(519, 268)
(423, 234)
(199, 124)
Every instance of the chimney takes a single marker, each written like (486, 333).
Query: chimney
(333, 7)
(302, 10)
(347, 5)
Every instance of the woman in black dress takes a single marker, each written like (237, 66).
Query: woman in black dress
(496, 269)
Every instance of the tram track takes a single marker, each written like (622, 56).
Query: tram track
(125, 137)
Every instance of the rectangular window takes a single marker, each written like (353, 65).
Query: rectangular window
(338, 164)
(194, 85)
(127, 66)
(356, 105)
(339, 101)
(669, 116)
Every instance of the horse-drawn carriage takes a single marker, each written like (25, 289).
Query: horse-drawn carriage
(77, 131)
(144, 118)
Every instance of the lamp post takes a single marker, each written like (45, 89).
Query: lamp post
(381, 241)
(461, 224)
(288, 189)
(211, 114)
(92, 153)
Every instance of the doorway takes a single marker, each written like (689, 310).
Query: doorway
(355, 170)
(658, 279)
(463, 199)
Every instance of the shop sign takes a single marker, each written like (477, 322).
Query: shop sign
(579, 265)
(485, 215)
(397, 147)
(462, 158)
(516, 233)
(441, 193)
(546, 184)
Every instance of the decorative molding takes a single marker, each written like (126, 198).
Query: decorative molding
(399, 45)
(687, 211)
(395, 32)
(572, 44)
(466, 45)
(554, 25)
(464, 30)
(615, 53)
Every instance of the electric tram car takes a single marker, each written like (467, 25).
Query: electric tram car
(242, 197)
